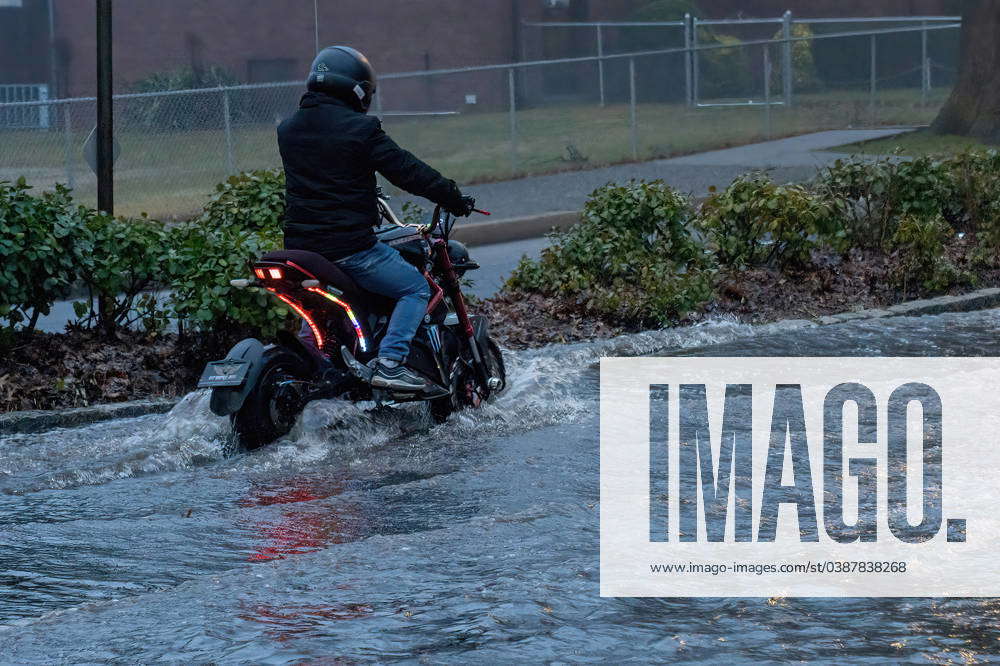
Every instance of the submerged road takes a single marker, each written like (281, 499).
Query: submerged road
(367, 538)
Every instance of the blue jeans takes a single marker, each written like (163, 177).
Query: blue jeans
(382, 270)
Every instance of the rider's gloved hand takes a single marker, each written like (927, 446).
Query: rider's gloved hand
(465, 208)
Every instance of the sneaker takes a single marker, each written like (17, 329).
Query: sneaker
(396, 378)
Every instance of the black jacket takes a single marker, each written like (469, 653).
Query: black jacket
(331, 153)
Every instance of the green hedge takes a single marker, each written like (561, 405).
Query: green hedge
(640, 256)
(207, 259)
(249, 200)
(122, 262)
(48, 245)
(632, 259)
(755, 222)
(39, 256)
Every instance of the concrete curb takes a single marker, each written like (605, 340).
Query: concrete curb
(976, 300)
(40, 421)
(523, 228)
(514, 229)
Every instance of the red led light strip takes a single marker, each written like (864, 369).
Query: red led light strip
(302, 313)
(348, 310)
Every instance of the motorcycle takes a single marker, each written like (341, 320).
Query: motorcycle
(263, 388)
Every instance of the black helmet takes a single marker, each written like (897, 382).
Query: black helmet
(344, 73)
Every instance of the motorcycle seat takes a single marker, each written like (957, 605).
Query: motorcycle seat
(330, 273)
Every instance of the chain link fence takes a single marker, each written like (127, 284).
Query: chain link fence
(618, 92)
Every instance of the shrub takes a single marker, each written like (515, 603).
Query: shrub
(39, 258)
(804, 77)
(755, 222)
(975, 188)
(120, 260)
(252, 200)
(871, 196)
(725, 72)
(631, 259)
(207, 259)
(240, 222)
(920, 243)
(987, 228)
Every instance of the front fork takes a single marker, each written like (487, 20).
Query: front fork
(454, 290)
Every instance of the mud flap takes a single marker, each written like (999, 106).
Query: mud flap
(227, 400)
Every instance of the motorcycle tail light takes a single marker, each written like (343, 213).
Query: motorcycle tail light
(275, 273)
(259, 272)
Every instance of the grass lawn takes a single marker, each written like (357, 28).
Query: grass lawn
(170, 174)
(921, 142)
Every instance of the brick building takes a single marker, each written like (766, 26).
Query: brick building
(52, 41)
(262, 40)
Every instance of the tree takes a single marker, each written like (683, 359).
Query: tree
(974, 106)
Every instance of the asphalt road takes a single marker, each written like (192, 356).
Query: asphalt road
(792, 159)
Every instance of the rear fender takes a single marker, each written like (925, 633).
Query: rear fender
(228, 400)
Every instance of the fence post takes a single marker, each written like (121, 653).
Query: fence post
(634, 130)
(872, 84)
(695, 64)
(688, 97)
(43, 111)
(600, 62)
(68, 145)
(227, 127)
(767, 90)
(786, 33)
(925, 66)
(316, 24)
(513, 121)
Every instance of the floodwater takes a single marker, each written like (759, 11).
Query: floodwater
(374, 537)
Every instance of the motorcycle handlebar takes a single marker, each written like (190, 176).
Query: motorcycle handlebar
(437, 216)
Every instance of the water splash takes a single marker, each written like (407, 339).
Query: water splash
(553, 384)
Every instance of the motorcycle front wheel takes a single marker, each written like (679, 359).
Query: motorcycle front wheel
(275, 401)
(467, 390)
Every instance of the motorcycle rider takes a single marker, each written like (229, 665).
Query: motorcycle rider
(331, 151)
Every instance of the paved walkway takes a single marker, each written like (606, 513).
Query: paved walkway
(796, 158)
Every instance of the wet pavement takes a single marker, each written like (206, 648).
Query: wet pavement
(376, 537)
(793, 159)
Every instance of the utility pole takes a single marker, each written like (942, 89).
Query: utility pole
(105, 112)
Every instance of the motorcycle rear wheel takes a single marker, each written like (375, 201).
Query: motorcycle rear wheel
(274, 403)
